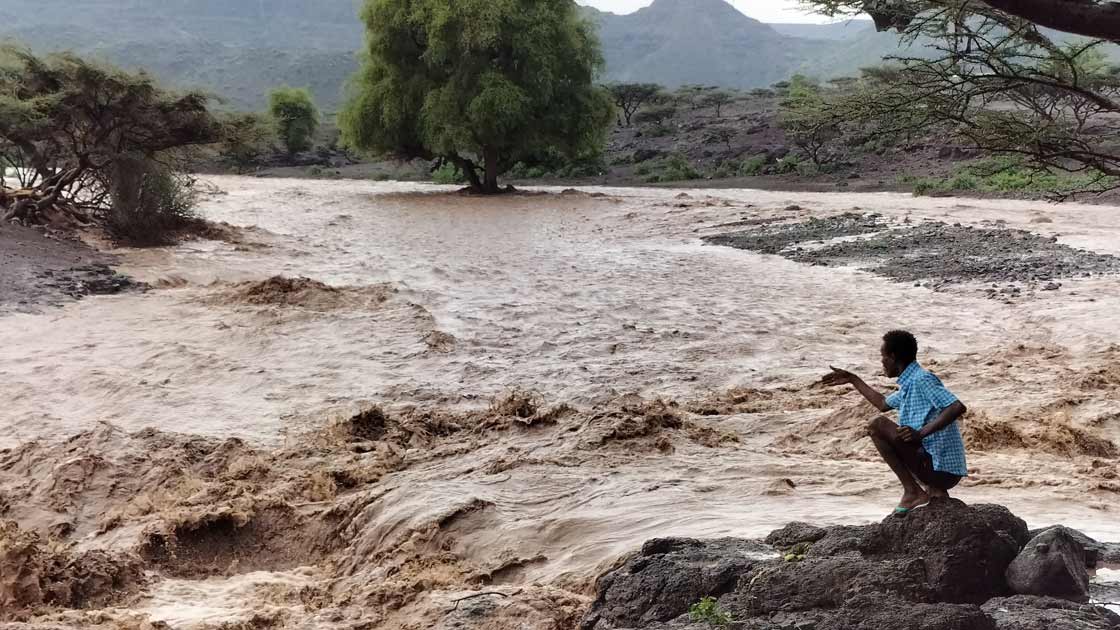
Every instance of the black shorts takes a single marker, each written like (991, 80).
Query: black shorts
(921, 464)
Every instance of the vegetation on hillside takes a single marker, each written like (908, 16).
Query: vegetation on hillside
(480, 84)
(91, 142)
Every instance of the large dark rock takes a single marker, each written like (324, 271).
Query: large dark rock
(928, 570)
(667, 576)
(1052, 564)
(794, 534)
(965, 551)
(1026, 612)
(1096, 552)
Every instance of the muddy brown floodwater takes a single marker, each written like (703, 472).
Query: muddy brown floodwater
(390, 406)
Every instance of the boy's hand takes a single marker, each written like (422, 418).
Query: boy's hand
(838, 377)
(908, 435)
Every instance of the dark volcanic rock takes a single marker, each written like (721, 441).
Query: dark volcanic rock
(1026, 612)
(795, 533)
(929, 570)
(1053, 564)
(1096, 552)
(966, 551)
(667, 576)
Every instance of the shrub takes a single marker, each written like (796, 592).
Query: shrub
(296, 117)
(707, 611)
(151, 203)
(786, 165)
(447, 174)
(674, 168)
(753, 165)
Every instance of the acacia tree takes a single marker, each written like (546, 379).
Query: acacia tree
(478, 83)
(245, 138)
(656, 115)
(808, 119)
(88, 140)
(718, 100)
(722, 135)
(993, 79)
(296, 117)
(630, 97)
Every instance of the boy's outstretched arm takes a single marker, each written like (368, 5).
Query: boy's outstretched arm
(844, 377)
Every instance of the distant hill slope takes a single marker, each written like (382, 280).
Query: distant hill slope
(240, 49)
(847, 29)
(675, 42)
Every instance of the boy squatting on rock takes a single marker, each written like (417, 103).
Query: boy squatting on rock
(924, 449)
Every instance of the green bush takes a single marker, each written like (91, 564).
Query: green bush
(788, 164)
(1005, 174)
(674, 168)
(296, 117)
(753, 165)
(448, 174)
(151, 203)
(707, 611)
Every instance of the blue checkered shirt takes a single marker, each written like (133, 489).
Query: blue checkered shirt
(919, 400)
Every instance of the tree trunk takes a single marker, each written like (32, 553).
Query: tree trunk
(490, 163)
(466, 167)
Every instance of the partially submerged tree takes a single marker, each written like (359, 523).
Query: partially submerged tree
(86, 141)
(296, 117)
(478, 83)
(992, 79)
(630, 97)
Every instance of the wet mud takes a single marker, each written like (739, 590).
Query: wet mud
(384, 406)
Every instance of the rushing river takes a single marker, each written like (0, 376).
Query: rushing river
(448, 302)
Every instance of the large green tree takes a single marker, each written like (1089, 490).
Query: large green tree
(296, 117)
(478, 83)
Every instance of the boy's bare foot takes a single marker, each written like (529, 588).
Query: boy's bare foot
(911, 500)
(937, 493)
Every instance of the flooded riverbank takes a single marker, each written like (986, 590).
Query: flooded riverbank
(559, 377)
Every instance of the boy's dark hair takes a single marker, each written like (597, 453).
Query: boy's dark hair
(901, 345)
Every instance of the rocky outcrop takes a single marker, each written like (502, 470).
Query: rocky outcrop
(1053, 564)
(1028, 612)
(942, 567)
(667, 576)
(1096, 552)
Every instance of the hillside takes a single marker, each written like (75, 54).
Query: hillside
(675, 42)
(239, 50)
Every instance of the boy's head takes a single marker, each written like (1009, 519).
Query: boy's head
(899, 350)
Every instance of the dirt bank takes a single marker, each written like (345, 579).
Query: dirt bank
(38, 268)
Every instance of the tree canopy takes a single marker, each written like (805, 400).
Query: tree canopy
(295, 115)
(630, 97)
(79, 134)
(479, 83)
(1098, 19)
(990, 77)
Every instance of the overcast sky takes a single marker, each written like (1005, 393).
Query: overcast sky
(764, 10)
